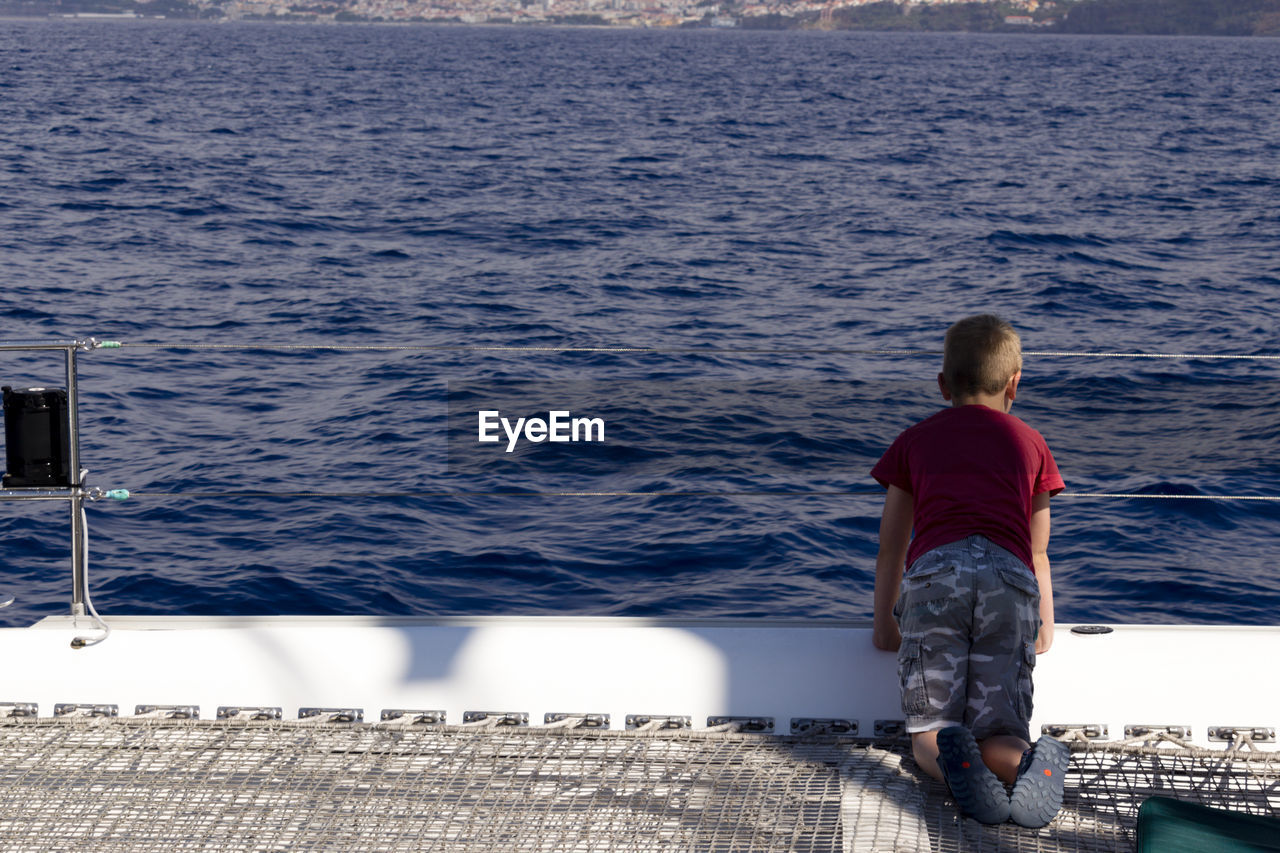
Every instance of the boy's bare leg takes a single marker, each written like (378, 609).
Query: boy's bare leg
(1003, 754)
(924, 748)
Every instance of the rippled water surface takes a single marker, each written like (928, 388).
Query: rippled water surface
(771, 211)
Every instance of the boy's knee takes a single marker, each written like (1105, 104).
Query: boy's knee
(1003, 753)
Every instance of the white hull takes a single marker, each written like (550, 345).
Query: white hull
(1195, 677)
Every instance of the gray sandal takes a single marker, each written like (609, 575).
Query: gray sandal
(973, 786)
(1037, 795)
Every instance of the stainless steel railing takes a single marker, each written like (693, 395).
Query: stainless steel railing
(76, 493)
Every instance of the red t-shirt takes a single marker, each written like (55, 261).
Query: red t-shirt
(970, 470)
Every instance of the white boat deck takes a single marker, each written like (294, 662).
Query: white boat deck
(163, 780)
(1194, 678)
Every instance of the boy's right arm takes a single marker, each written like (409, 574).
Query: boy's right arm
(1040, 564)
(895, 535)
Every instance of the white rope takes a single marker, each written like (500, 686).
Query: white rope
(683, 350)
(81, 642)
(570, 722)
(1169, 497)
(1189, 355)
(530, 348)
(655, 494)
(491, 721)
(654, 725)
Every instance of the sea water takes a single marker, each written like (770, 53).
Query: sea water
(738, 250)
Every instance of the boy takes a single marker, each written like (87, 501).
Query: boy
(976, 604)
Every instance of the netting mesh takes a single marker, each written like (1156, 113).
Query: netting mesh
(167, 785)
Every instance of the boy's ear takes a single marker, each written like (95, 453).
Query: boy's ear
(1011, 389)
(942, 386)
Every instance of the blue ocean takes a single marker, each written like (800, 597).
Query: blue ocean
(326, 249)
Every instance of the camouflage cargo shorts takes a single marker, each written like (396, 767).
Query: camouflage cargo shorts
(969, 612)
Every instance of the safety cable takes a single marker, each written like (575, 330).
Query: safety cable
(673, 350)
(647, 494)
(1141, 495)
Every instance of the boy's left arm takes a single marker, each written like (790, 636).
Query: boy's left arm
(1040, 561)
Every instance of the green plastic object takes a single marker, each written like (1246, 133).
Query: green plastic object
(1171, 826)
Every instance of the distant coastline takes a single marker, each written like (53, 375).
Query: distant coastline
(1130, 17)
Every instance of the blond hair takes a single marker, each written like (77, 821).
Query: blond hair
(980, 355)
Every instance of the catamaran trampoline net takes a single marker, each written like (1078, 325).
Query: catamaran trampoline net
(120, 784)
